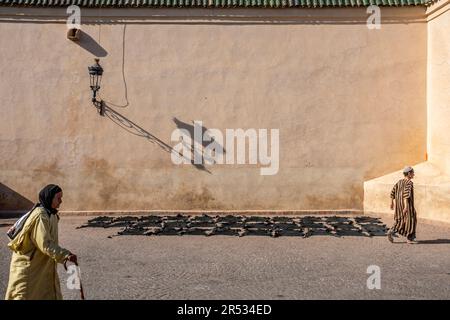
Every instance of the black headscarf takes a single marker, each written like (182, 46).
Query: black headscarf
(46, 197)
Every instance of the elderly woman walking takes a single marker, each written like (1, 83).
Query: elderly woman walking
(405, 215)
(33, 272)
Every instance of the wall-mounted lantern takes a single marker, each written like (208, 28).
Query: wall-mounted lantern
(95, 74)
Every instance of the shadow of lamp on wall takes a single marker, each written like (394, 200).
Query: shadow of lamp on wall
(95, 74)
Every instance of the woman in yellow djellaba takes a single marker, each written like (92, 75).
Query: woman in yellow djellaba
(33, 273)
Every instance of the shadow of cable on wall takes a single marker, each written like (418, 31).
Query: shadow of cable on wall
(124, 80)
(137, 130)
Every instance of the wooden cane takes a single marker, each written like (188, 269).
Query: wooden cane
(81, 286)
(79, 278)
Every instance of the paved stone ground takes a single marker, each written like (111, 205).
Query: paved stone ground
(251, 267)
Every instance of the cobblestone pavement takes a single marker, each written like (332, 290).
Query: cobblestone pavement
(250, 267)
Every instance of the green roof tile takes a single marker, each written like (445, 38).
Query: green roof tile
(215, 3)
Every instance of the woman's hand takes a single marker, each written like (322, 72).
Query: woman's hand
(72, 258)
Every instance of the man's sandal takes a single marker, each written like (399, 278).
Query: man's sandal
(390, 238)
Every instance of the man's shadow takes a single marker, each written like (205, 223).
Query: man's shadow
(137, 130)
(436, 241)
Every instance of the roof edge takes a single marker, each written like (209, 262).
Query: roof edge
(225, 4)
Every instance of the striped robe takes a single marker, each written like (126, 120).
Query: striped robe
(405, 225)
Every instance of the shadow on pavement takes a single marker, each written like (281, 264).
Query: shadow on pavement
(436, 241)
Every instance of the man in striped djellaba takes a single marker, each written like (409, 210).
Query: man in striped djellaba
(402, 200)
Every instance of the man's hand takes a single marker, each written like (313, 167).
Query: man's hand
(405, 210)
